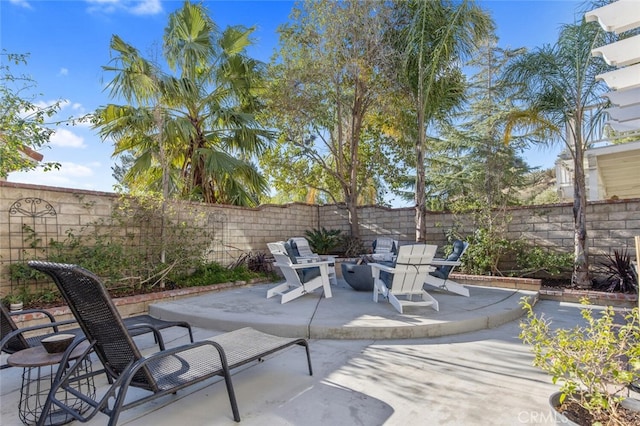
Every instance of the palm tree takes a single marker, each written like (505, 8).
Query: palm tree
(192, 133)
(438, 36)
(563, 99)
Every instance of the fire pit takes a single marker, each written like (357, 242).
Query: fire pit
(357, 276)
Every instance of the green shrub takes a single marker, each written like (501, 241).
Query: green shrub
(323, 240)
(214, 273)
(484, 253)
(532, 260)
(593, 363)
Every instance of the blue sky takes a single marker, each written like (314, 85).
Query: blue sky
(68, 43)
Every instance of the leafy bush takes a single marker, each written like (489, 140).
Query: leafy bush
(323, 241)
(214, 273)
(531, 260)
(484, 253)
(593, 363)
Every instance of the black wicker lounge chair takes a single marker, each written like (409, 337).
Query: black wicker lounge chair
(14, 339)
(162, 373)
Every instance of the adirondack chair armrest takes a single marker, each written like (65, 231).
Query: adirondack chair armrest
(306, 259)
(303, 265)
(442, 262)
(382, 267)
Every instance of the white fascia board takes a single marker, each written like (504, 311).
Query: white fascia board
(613, 149)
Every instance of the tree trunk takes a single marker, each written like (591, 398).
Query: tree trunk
(352, 208)
(580, 275)
(421, 208)
(357, 113)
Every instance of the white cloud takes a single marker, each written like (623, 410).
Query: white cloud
(71, 175)
(77, 170)
(147, 7)
(21, 3)
(63, 72)
(68, 176)
(135, 7)
(67, 139)
(44, 104)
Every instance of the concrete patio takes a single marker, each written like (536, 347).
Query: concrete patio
(470, 368)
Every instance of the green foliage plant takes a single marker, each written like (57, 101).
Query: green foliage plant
(619, 273)
(325, 89)
(23, 123)
(188, 126)
(436, 38)
(323, 240)
(486, 250)
(593, 363)
(214, 273)
(533, 260)
(563, 104)
(12, 298)
(125, 250)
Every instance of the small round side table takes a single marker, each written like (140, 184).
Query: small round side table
(39, 371)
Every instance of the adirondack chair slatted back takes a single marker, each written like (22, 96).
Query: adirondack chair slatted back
(459, 247)
(99, 319)
(281, 256)
(303, 275)
(7, 326)
(385, 245)
(302, 247)
(412, 266)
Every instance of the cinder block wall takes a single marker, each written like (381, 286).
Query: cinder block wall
(611, 224)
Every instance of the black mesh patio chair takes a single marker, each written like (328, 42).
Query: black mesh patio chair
(161, 373)
(14, 339)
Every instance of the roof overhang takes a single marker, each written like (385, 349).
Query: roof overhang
(617, 168)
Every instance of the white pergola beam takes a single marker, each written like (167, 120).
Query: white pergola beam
(619, 16)
(625, 97)
(622, 114)
(621, 53)
(622, 78)
(627, 126)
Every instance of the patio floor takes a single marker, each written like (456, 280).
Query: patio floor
(348, 314)
(481, 377)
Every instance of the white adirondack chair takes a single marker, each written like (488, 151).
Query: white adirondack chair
(439, 278)
(412, 266)
(384, 248)
(301, 278)
(303, 253)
